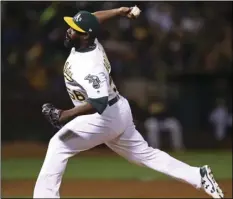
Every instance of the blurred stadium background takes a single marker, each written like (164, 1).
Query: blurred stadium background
(174, 64)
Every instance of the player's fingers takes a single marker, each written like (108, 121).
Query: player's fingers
(45, 109)
(131, 16)
(125, 11)
(128, 10)
(47, 104)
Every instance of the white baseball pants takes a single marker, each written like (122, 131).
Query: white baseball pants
(116, 129)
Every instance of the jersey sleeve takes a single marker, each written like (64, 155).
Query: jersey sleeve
(95, 84)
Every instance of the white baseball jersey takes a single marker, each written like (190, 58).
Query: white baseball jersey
(87, 75)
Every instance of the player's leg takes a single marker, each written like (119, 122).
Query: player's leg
(133, 147)
(50, 176)
(78, 135)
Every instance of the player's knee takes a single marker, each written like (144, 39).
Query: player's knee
(155, 155)
(149, 154)
(53, 145)
(56, 139)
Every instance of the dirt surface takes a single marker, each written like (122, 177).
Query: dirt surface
(97, 188)
(115, 189)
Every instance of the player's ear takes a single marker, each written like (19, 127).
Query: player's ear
(84, 35)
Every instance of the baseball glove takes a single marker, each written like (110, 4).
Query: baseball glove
(52, 114)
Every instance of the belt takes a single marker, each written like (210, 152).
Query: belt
(114, 100)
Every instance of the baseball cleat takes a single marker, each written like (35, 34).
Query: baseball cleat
(209, 184)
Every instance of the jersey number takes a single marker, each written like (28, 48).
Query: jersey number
(75, 95)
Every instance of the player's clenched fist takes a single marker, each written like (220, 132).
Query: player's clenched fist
(124, 11)
(52, 114)
(131, 12)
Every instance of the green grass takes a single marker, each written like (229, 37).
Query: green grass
(116, 167)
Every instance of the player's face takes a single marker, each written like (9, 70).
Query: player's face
(69, 38)
(72, 38)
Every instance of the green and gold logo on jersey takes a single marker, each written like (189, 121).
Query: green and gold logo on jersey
(67, 73)
(94, 80)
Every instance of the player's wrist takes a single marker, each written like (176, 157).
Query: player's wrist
(64, 116)
(117, 11)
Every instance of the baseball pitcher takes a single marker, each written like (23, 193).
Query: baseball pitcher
(101, 115)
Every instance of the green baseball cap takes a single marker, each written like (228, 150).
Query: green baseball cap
(84, 22)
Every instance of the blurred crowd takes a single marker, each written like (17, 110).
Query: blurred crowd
(168, 37)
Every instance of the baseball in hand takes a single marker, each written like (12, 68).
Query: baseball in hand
(135, 12)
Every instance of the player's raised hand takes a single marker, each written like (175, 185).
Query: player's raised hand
(124, 11)
(127, 12)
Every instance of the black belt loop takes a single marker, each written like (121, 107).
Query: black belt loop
(114, 100)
